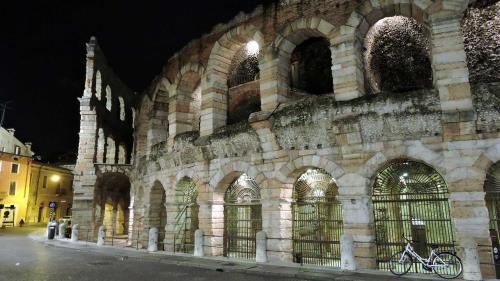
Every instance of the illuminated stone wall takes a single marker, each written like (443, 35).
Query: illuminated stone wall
(350, 134)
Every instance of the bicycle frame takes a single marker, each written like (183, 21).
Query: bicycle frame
(425, 262)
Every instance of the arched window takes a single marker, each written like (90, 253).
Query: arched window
(397, 56)
(243, 83)
(317, 219)
(311, 67)
(98, 85)
(242, 218)
(410, 199)
(122, 108)
(109, 98)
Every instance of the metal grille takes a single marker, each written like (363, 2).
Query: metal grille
(410, 199)
(492, 188)
(186, 221)
(317, 219)
(242, 218)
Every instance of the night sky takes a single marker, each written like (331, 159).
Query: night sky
(43, 56)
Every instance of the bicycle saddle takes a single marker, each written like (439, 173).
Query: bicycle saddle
(434, 246)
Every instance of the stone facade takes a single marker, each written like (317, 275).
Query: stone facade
(181, 132)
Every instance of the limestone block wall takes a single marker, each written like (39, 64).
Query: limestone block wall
(351, 135)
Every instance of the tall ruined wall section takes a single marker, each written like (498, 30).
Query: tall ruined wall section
(106, 134)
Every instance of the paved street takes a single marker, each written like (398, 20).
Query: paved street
(22, 258)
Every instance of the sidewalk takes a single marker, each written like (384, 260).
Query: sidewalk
(229, 265)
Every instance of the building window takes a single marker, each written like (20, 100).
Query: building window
(12, 190)
(44, 182)
(17, 150)
(15, 168)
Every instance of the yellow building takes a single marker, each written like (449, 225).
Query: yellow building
(51, 193)
(15, 169)
(37, 191)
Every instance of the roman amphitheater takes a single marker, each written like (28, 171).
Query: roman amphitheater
(321, 130)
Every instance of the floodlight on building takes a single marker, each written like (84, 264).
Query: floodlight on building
(252, 48)
(55, 178)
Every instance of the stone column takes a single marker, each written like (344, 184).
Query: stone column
(357, 212)
(213, 102)
(198, 243)
(273, 67)
(172, 211)
(472, 270)
(277, 221)
(110, 151)
(211, 218)
(74, 232)
(180, 118)
(62, 230)
(451, 77)
(101, 142)
(101, 235)
(347, 260)
(122, 154)
(347, 62)
(261, 247)
(153, 240)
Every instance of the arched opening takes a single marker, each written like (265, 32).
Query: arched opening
(158, 211)
(98, 85)
(243, 83)
(122, 108)
(112, 197)
(311, 67)
(242, 218)
(186, 219)
(397, 56)
(109, 98)
(317, 219)
(410, 199)
(188, 103)
(158, 120)
(492, 189)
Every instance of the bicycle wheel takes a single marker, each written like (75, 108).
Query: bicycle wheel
(400, 263)
(447, 265)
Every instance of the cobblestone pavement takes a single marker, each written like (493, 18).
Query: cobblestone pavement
(27, 256)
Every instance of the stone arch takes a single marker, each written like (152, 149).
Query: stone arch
(156, 211)
(186, 106)
(158, 127)
(438, 15)
(215, 88)
(281, 49)
(191, 174)
(289, 172)
(227, 173)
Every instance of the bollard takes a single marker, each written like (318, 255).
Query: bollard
(47, 229)
(198, 243)
(261, 247)
(472, 270)
(153, 240)
(62, 230)
(101, 235)
(74, 233)
(347, 261)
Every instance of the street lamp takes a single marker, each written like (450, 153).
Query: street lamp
(55, 178)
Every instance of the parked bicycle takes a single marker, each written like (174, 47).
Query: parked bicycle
(445, 264)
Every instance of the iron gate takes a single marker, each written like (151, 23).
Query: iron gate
(186, 224)
(242, 218)
(492, 188)
(317, 227)
(316, 219)
(186, 220)
(242, 222)
(410, 199)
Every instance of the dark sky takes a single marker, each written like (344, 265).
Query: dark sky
(42, 45)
